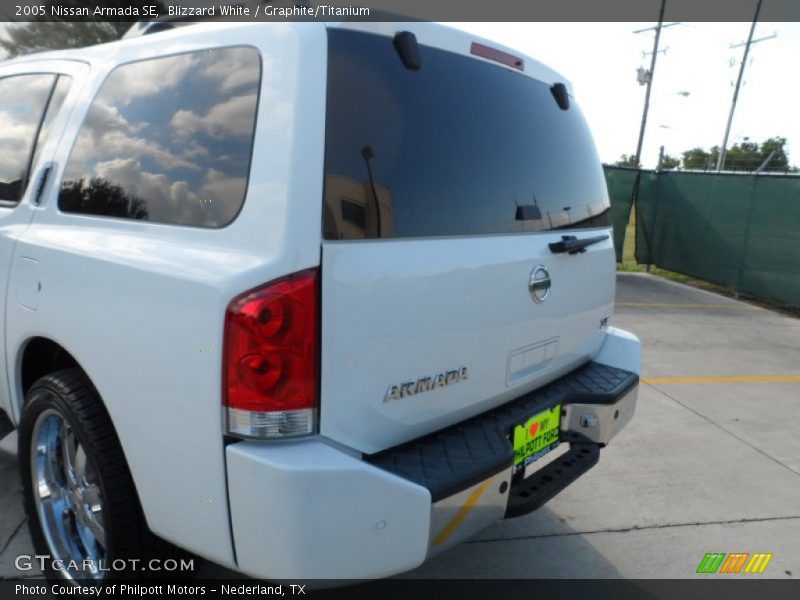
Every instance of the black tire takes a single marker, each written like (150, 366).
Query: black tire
(68, 399)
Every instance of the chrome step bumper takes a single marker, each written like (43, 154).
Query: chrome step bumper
(468, 467)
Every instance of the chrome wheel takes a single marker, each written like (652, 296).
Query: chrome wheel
(67, 495)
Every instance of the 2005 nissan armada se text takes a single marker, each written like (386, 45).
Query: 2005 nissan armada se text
(306, 300)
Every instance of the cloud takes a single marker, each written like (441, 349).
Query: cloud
(138, 144)
(167, 201)
(195, 150)
(22, 100)
(233, 117)
(223, 193)
(105, 117)
(15, 144)
(226, 69)
(233, 69)
(147, 77)
(215, 203)
(106, 134)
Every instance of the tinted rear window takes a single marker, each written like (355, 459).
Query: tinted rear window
(168, 140)
(451, 149)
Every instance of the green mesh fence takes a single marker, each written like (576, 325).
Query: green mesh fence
(620, 183)
(740, 231)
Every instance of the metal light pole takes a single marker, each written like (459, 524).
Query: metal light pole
(723, 152)
(367, 154)
(649, 81)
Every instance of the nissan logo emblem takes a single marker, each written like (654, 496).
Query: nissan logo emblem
(539, 284)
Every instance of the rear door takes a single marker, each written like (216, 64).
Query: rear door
(444, 187)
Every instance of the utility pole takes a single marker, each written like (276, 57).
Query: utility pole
(766, 162)
(724, 149)
(649, 80)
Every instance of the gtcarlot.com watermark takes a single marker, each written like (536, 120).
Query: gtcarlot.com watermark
(30, 562)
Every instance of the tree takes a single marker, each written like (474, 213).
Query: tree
(36, 36)
(101, 197)
(743, 156)
(698, 158)
(670, 162)
(780, 160)
(626, 160)
(51, 33)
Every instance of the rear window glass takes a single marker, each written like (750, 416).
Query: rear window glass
(23, 102)
(168, 140)
(454, 148)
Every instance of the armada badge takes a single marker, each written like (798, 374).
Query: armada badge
(426, 384)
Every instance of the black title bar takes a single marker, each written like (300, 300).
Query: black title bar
(397, 10)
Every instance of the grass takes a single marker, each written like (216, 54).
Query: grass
(630, 265)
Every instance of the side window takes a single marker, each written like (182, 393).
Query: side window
(168, 140)
(23, 103)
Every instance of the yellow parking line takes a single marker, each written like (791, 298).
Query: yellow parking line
(724, 379)
(731, 306)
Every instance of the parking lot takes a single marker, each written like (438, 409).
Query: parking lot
(710, 463)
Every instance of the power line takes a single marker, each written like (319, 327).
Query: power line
(656, 27)
(750, 41)
(649, 78)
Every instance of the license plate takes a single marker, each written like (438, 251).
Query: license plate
(536, 437)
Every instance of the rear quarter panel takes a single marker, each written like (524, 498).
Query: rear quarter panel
(141, 305)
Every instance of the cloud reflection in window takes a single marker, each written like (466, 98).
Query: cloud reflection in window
(168, 140)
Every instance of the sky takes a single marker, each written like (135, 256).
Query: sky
(600, 59)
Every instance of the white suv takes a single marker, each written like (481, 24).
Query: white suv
(309, 301)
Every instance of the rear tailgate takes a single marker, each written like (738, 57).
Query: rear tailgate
(444, 187)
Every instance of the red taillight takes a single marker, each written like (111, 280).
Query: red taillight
(271, 358)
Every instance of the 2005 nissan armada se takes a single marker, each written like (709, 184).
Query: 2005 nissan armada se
(306, 300)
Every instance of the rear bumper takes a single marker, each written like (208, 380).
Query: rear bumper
(312, 510)
(468, 468)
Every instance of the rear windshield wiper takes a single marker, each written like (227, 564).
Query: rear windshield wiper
(571, 244)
